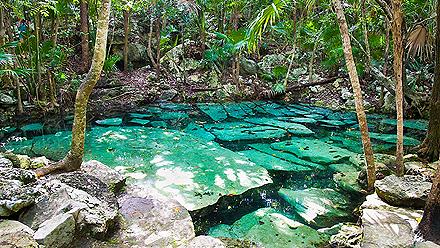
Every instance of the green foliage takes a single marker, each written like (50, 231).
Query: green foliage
(110, 63)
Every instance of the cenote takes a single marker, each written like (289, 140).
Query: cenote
(273, 173)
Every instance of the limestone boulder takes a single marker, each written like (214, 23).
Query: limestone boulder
(14, 234)
(406, 191)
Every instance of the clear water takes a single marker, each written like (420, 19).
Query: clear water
(260, 171)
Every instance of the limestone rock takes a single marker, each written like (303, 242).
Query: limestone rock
(114, 180)
(14, 234)
(39, 162)
(56, 232)
(249, 66)
(152, 220)
(94, 216)
(426, 244)
(6, 99)
(14, 196)
(406, 191)
(5, 163)
(270, 228)
(205, 242)
(385, 229)
(317, 206)
(349, 236)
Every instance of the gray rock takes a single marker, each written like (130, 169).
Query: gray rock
(14, 196)
(14, 234)
(5, 163)
(114, 180)
(21, 175)
(7, 99)
(406, 191)
(168, 95)
(205, 242)
(272, 60)
(95, 216)
(57, 231)
(426, 244)
(89, 184)
(349, 236)
(152, 220)
(385, 229)
(249, 66)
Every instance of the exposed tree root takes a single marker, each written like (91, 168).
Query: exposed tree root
(68, 164)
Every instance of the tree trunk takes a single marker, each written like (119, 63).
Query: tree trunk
(397, 25)
(40, 89)
(2, 27)
(386, 56)
(85, 51)
(55, 28)
(158, 46)
(367, 44)
(52, 89)
(149, 40)
(429, 227)
(351, 67)
(19, 100)
(8, 26)
(126, 34)
(202, 29)
(430, 149)
(73, 159)
(312, 59)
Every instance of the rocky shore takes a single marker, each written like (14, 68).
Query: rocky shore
(97, 207)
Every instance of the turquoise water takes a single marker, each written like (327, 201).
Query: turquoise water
(263, 171)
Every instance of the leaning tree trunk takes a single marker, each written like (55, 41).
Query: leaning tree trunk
(126, 34)
(430, 148)
(73, 159)
(396, 29)
(158, 46)
(351, 67)
(429, 227)
(84, 16)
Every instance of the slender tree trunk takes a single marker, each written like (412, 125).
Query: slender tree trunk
(73, 159)
(8, 25)
(126, 34)
(40, 89)
(158, 46)
(2, 27)
(85, 51)
(202, 30)
(312, 59)
(429, 227)
(19, 100)
(367, 44)
(397, 25)
(351, 67)
(386, 57)
(430, 148)
(149, 40)
(52, 89)
(55, 28)
(236, 59)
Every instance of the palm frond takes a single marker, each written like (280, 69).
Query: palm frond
(420, 43)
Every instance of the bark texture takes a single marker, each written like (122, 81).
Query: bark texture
(396, 28)
(126, 34)
(429, 227)
(354, 79)
(430, 148)
(73, 159)
(84, 15)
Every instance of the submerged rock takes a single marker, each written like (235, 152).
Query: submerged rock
(270, 162)
(293, 128)
(215, 111)
(317, 206)
(14, 234)
(235, 131)
(314, 150)
(406, 191)
(110, 122)
(270, 228)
